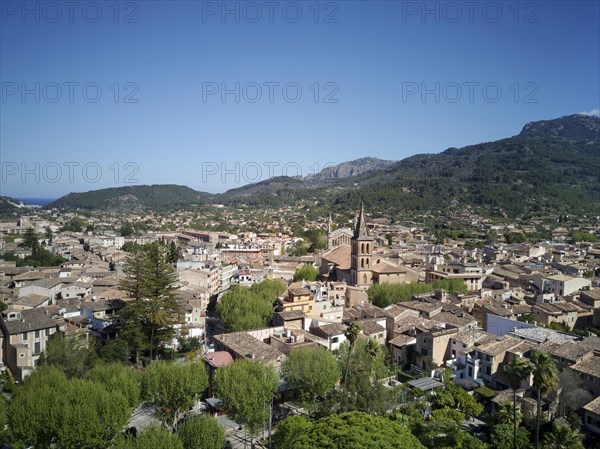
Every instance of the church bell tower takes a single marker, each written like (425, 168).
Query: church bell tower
(361, 253)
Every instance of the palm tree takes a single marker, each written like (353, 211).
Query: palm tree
(504, 415)
(351, 335)
(563, 437)
(517, 371)
(545, 379)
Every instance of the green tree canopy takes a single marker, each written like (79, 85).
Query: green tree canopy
(545, 379)
(306, 273)
(502, 437)
(151, 437)
(39, 255)
(2, 419)
(242, 309)
(115, 351)
(314, 371)
(130, 247)
(72, 354)
(246, 389)
(579, 236)
(573, 396)
(127, 229)
(363, 390)
(563, 437)
(148, 321)
(354, 430)
(75, 224)
(173, 388)
(517, 370)
(74, 413)
(119, 379)
(456, 398)
(382, 295)
(201, 432)
(505, 413)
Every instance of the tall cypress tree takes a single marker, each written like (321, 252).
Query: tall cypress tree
(149, 319)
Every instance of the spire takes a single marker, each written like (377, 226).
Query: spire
(360, 230)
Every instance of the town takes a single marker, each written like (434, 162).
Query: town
(239, 326)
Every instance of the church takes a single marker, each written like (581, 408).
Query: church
(352, 257)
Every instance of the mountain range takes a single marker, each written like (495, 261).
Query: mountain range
(550, 166)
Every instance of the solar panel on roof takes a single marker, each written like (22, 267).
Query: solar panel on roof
(425, 383)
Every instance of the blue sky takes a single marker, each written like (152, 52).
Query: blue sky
(102, 96)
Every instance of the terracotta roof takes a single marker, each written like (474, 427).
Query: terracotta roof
(49, 283)
(458, 319)
(103, 304)
(351, 314)
(339, 256)
(302, 291)
(368, 310)
(592, 294)
(422, 306)
(569, 350)
(590, 366)
(291, 315)
(30, 300)
(396, 310)
(107, 293)
(218, 359)
(592, 342)
(557, 307)
(370, 327)
(328, 330)
(475, 336)
(402, 340)
(593, 406)
(499, 347)
(245, 345)
(31, 319)
(385, 267)
(30, 276)
(407, 323)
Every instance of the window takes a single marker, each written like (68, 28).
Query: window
(37, 334)
(335, 339)
(47, 332)
(37, 348)
(25, 336)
